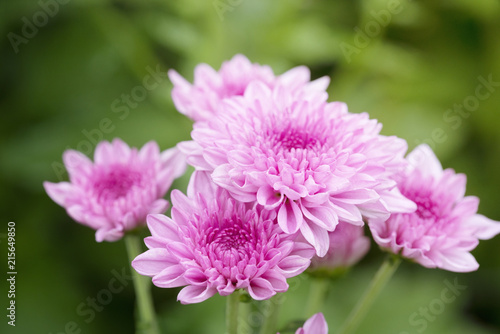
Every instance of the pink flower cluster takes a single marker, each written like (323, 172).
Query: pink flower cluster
(310, 161)
(281, 175)
(277, 144)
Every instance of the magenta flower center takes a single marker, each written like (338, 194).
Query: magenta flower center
(231, 241)
(291, 138)
(224, 240)
(115, 182)
(231, 238)
(426, 207)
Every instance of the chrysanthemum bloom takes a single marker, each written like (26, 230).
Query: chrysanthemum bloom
(314, 325)
(201, 100)
(116, 192)
(445, 227)
(348, 245)
(214, 244)
(310, 161)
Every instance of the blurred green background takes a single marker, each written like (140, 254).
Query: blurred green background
(68, 66)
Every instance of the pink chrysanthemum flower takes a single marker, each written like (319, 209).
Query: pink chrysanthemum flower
(312, 162)
(201, 100)
(314, 325)
(445, 227)
(116, 192)
(214, 244)
(348, 245)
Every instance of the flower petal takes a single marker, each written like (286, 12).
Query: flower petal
(316, 325)
(424, 159)
(109, 233)
(163, 227)
(195, 294)
(293, 265)
(316, 236)
(260, 289)
(59, 192)
(290, 218)
(484, 227)
(170, 277)
(152, 262)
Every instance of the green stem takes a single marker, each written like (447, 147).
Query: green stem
(271, 311)
(317, 295)
(382, 276)
(232, 307)
(145, 317)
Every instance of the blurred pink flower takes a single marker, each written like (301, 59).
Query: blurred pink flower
(348, 245)
(216, 244)
(201, 100)
(311, 162)
(445, 227)
(116, 192)
(314, 325)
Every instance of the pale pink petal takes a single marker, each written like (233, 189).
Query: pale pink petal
(316, 236)
(200, 183)
(195, 294)
(77, 164)
(174, 161)
(424, 159)
(109, 233)
(152, 262)
(395, 202)
(159, 206)
(180, 201)
(294, 77)
(170, 277)
(260, 289)
(293, 265)
(323, 216)
(316, 325)
(195, 276)
(268, 197)
(121, 151)
(164, 227)
(458, 261)
(149, 153)
(180, 250)
(290, 217)
(484, 228)
(277, 280)
(204, 75)
(61, 192)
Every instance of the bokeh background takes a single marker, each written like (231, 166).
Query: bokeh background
(67, 65)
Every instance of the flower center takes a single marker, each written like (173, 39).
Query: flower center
(426, 208)
(115, 182)
(232, 238)
(291, 138)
